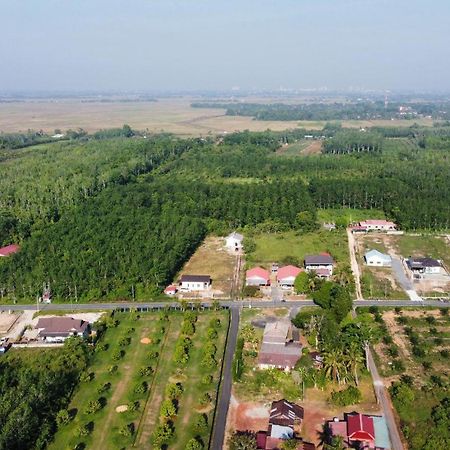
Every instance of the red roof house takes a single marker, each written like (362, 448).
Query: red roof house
(9, 250)
(170, 290)
(286, 275)
(360, 428)
(257, 277)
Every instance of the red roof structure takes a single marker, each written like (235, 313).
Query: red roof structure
(288, 272)
(360, 427)
(172, 289)
(258, 272)
(9, 250)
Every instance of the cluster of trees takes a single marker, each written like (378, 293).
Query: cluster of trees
(360, 110)
(184, 342)
(33, 389)
(351, 141)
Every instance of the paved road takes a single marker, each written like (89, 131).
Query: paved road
(228, 304)
(220, 419)
(384, 400)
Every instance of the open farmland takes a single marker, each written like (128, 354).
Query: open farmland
(123, 397)
(172, 115)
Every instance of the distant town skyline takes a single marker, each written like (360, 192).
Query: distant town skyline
(174, 45)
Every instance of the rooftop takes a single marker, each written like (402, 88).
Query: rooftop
(53, 325)
(195, 279)
(258, 272)
(9, 250)
(324, 258)
(288, 271)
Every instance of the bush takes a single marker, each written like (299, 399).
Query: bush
(152, 355)
(133, 406)
(205, 399)
(93, 406)
(168, 409)
(242, 440)
(104, 388)
(251, 291)
(174, 391)
(63, 417)
(349, 396)
(238, 362)
(207, 379)
(127, 430)
(141, 388)
(85, 429)
(162, 434)
(124, 342)
(194, 444)
(211, 334)
(201, 424)
(112, 369)
(85, 377)
(145, 371)
(119, 354)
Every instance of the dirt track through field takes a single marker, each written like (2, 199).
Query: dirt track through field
(151, 410)
(116, 398)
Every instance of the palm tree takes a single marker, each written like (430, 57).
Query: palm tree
(354, 359)
(336, 443)
(333, 364)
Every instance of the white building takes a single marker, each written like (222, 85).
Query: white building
(191, 283)
(378, 225)
(234, 241)
(377, 259)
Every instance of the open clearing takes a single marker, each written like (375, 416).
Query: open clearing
(117, 381)
(173, 115)
(212, 259)
(276, 247)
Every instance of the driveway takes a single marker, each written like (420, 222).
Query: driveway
(404, 281)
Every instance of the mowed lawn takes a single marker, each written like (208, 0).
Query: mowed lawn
(152, 342)
(276, 247)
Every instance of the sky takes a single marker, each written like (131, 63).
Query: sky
(151, 45)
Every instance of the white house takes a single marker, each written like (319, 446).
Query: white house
(377, 259)
(58, 329)
(421, 266)
(190, 283)
(321, 264)
(378, 225)
(234, 241)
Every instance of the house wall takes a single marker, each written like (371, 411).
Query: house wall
(233, 243)
(320, 266)
(255, 281)
(378, 262)
(193, 286)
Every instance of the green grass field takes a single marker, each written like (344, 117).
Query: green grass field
(108, 424)
(277, 247)
(348, 214)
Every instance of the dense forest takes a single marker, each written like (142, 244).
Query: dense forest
(117, 217)
(361, 110)
(34, 387)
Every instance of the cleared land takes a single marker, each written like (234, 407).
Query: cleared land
(212, 259)
(130, 393)
(173, 115)
(276, 247)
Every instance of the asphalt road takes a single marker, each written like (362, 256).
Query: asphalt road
(220, 419)
(227, 304)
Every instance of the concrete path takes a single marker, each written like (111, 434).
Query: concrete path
(404, 281)
(223, 403)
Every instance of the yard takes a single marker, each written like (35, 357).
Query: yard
(290, 246)
(413, 357)
(254, 393)
(132, 365)
(380, 283)
(211, 258)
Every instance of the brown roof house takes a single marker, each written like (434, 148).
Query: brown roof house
(58, 329)
(280, 348)
(284, 423)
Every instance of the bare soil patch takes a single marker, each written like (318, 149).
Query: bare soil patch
(146, 341)
(7, 321)
(122, 408)
(212, 259)
(313, 149)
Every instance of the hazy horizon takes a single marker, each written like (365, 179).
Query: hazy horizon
(150, 46)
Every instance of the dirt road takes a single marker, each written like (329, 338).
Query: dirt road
(354, 263)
